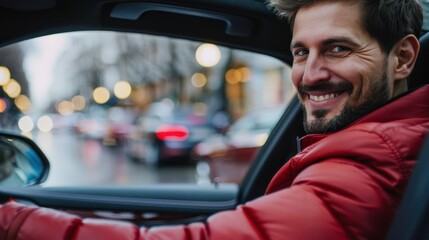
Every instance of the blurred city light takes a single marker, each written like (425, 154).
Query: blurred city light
(236, 75)
(208, 55)
(23, 103)
(139, 95)
(65, 108)
(12, 88)
(26, 124)
(4, 75)
(233, 76)
(122, 89)
(78, 103)
(200, 108)
(245, 74)
(198, 80)
(3, 105)
(101, 95)
(45, 123)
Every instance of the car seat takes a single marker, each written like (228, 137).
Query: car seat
(412, 219)
(420, 75)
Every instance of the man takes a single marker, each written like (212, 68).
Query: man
(350, 57)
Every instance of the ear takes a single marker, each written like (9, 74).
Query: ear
(405, 51)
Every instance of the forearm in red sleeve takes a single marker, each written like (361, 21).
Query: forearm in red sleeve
(316, 207)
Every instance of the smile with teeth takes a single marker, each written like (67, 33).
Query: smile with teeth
(325, 97)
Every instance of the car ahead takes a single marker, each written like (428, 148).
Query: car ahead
(166, 133)
(246, 26)
(230, 154)
(111, 127)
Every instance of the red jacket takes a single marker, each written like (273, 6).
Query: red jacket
(343, 185)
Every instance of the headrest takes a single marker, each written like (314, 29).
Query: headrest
(420, 74)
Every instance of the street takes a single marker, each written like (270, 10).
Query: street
(87, 162)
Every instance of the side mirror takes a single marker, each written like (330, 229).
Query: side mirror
(22, 163)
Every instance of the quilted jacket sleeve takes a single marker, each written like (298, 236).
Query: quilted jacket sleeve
(306, 210)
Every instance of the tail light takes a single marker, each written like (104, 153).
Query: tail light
(172, 133)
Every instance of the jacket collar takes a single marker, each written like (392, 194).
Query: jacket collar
(409, 104)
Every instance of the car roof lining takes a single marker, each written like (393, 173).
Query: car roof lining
(248, 25)
(235, 25)
(28, 5)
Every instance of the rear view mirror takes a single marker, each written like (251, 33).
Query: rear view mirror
(22, 163)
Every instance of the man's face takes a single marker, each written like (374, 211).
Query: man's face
(339, 70)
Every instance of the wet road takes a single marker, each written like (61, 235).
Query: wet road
(84, 162)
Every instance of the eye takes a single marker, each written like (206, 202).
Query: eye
(340, 49)
(300, 52)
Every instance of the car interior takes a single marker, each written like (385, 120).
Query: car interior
(244, 24)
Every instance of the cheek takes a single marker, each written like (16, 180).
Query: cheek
(297, 73)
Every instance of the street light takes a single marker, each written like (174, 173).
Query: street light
(198, 80)
(26, 124)
(101, 95)
(207, 55)
(78, 103)
(12, 88)
(23, 103)
(65, 108)
(45, 124)
(4, 75)
(122, 89)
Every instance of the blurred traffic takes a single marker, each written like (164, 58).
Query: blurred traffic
(149, 101)
(230, 154)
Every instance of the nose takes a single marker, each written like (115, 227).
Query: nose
(315, 70)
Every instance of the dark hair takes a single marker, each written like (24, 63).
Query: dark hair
(388, 21)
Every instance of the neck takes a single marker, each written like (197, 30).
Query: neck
(400, 87)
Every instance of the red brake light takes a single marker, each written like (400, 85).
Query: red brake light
(172, 133)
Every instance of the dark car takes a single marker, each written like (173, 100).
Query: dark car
(166, 133)
(230, 154)
(90, 45)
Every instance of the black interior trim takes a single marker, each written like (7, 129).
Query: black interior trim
(420, 76)
(28, 5)
(413, 214)
(279, 148)
(235, 25)
(175, 198)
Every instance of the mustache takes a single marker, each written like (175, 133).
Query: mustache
(326, 86)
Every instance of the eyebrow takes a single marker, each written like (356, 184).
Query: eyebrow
(326, 42)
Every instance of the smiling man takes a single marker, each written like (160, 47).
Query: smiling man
(341, 71)
(352, 59)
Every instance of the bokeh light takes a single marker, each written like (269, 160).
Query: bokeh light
(4, 75)
(200, 108)
(122, 89)
(65, 108)
(12, 88)
(236, 75)
(45, 124)
(78, 103)
(101, 95)
(26, 124)
(23, 103)
(233, 76)
(245, 74)
(198, 80)
(208, 55)
(3, 105)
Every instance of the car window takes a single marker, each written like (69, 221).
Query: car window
(131, 109)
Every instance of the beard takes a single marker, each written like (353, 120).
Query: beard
(377, 95)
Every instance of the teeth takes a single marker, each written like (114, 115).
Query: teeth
(323, 97)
